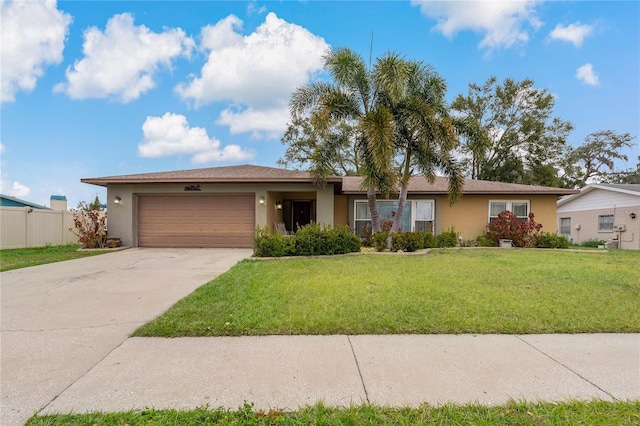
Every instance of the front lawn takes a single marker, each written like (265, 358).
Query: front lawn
(444, 291)
(514, 413)
(24, 257)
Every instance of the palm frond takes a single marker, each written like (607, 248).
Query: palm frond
(391, 75)
(307, 97)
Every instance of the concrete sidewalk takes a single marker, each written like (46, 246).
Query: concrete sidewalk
(288, 372)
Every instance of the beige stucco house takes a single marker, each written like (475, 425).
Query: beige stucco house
(605, 212)
(221, 206)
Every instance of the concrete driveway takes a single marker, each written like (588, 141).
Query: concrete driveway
(60, 320)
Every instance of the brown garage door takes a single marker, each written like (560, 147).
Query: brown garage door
(196, 221)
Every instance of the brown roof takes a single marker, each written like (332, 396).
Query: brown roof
(420, 185)
(248, 173)
(231, 174)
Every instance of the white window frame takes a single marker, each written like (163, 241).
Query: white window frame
(413, 203)
(509, 206)
(562, 228)
(600, 223)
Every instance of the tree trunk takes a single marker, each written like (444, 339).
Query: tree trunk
(402, 199)
(406, 175)
(373, 209)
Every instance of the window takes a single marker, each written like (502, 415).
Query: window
(565, 226)
(518, 207)
(423, 220)
(605, 222)
(363, 219)
(417, 216)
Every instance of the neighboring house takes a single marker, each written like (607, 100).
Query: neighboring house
(26, 224)
(57, 202)
(8, 201)
(221, 206)
(604, 212)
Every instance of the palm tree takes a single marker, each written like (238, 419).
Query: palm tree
(353, 97)
(425, 135)
(401, 118)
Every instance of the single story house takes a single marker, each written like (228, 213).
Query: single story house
(221, 206)
(605, 212)
(57, 202)
(9, 201)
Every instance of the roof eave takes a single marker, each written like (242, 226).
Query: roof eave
(107, 181)
(558, 193)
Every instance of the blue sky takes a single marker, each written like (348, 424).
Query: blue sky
(94, 88)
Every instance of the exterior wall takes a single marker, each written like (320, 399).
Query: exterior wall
(587, 222)
(26, 227)
(584, 212)
(341, 210)
(123, 216)
(470, 215)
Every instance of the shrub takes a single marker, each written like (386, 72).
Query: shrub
(593, 243)
(272, 244)
(90, 227)
(366, 237)
(469, 243)
(310, 240)
(428, 239)
(483, 240)
(447, 239)
(508, 226)
(406, 241)
(340, 241)
(551, 240)
(380, 240)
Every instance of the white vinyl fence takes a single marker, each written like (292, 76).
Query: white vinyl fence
(25, 227)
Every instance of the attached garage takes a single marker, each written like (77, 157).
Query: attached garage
(213, 221)
(216, 207)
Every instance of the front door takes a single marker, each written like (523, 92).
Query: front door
(301, 213)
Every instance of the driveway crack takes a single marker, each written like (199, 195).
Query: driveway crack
(568, 368)
(366, 394)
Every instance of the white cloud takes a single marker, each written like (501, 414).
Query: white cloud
(33, 34)
(573, 33)
(171, 135)
(501, 22)
(121, 62)
(18, 190)
(257, 72)
(267, 121)
(2, 148)
(252, 8)
(586, 74)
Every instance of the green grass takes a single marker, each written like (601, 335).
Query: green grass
(25, 257)
(513, 413)
(444, 291)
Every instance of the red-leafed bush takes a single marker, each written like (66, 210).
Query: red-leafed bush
(522, 232)
(91, 228)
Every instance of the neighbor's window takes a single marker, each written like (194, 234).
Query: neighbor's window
(565, 226)
(518, 207)
(605, 222)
